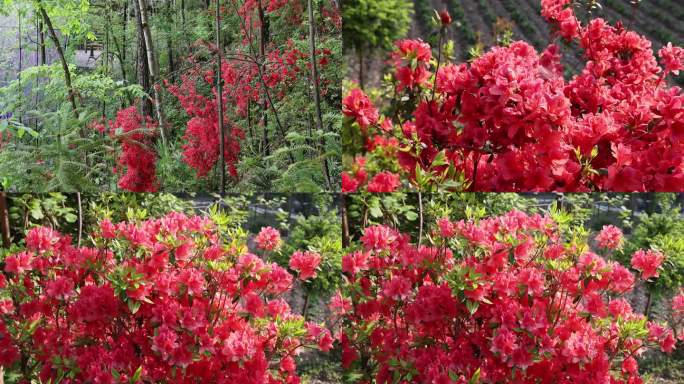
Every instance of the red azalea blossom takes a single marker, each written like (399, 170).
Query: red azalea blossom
(647, 262)
(357, 105)
(508, 305)
(610, 237)
(59, 289)
(138, 159)
(678, 303)
(18, 263)
(201, 150)
(384, 182)
(672, 57)
(268, 239)
(246, 82)
(510, 121)
(411, 60)
(349, 184)
(356, 177)
(305, 263)
(125, 308)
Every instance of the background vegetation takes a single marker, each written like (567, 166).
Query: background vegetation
(68, 65)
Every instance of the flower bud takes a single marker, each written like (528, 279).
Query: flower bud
(445, 18)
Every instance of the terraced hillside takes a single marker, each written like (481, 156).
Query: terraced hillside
(662, 21)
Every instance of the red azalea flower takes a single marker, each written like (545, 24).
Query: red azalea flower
(610, 237)
(305, 263)
(357, 105)
(268, 239)
(384, 182)
(647, 262)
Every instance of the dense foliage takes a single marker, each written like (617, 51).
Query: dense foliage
(503, 299)
(89, 68)
(510, 121)
(165, 300)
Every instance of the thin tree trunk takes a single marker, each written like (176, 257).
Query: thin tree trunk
(4, 221)
(172, 62)
(345, 221)
(252, 139)
(263, 40)
(317, 91)
(67, 74)
(80, 217)
(41, 41)
(219, 99)
(21, 49)
(152, 66)
(21, 62)
(106, 58)
(183, 13)
(169, 43)
(123, 37)
(37, 63)
(141, 65)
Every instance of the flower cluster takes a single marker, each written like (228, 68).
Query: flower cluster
(502, 299)
(647, 262)
(268, 239)
(510, 121)
(305, 263)
(610, 237)
(138, 160)
(155, 301)
(202, 138)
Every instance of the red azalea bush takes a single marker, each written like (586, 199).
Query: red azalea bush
(138, 160)
(247, 80)
(201, 150)
(510, 121)
(161, 301)
(503, 299)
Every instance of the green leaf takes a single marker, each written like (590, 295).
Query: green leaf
(37, 213)
(33, 326)
(475, 378)
(472, 306)
(440, 159)
(136, 375)
(375, 212)
(134, 306)
(453, 375)
(70, 218)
